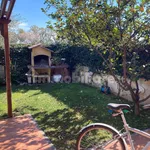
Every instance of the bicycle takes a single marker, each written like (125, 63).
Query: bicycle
(100, 136)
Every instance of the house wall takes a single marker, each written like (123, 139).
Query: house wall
(84, 76)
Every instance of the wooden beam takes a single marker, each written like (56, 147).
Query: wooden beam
(5, 13)
(4, 21)
(3, 7)
(10, 8)
(8, 74)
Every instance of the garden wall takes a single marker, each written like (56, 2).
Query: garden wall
(83, 75)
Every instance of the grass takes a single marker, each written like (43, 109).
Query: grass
(61, 110)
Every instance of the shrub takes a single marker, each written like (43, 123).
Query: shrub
(20, 59)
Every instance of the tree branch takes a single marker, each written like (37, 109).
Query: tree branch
(124, 64)
(145, 99)
(136, 32)
(121, 84)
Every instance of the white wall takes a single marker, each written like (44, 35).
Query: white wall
(83, 75)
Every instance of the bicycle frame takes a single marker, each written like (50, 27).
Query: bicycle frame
(117, 135)
(128, 129)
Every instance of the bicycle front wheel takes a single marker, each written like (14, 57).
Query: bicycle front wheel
(100, 137)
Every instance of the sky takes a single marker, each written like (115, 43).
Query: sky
(30, 13)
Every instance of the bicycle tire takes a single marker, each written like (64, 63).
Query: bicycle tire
(98, 138)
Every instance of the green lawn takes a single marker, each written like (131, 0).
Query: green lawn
(61, 110)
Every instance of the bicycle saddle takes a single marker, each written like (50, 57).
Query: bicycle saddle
(114, 106)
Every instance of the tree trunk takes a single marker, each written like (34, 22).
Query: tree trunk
(137, 108)
(135, 98)
(119, 91)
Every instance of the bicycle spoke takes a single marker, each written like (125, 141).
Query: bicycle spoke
(99, 138)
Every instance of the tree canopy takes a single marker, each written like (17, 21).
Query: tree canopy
(109, 26)
(118, 29)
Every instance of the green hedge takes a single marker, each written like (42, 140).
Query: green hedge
(76, 55)
(21, 58)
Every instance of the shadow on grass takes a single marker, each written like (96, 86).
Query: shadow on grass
(25, 88)
(61, 126)
(21, 110)
(92, 105)
(84, 105)
(4, 116)
(85, 100)
(88, 102)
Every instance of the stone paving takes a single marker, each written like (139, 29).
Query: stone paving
(22, 133)
(140, 141)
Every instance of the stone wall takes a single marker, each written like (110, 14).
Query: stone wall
(83, 75)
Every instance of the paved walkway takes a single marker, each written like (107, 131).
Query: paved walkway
(22, 133)
(141, 141)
